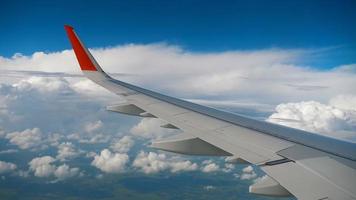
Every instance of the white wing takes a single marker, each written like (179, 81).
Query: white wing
(299, 163)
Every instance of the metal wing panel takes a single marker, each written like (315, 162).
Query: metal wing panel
(337, 171)
(305, 184)
(207, 128)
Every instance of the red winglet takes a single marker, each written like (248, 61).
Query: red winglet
(82, 55)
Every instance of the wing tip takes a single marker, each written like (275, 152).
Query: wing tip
(68, 27)
(85, 60)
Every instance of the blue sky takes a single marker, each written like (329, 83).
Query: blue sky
(29, 26)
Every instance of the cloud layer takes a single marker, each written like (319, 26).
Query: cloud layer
(336, 119)
(273, 74)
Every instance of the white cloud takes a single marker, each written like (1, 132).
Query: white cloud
(186, 165)
(93, 126)
(152, 162)
(150, 128)
(336, 120)
(44, 85)
(228, 167)
(6, 167)
(89, 138)
(210, 166)
(32, 139)
(123, 145)
(64, 172)
(209, 187)
(26, 139)
(248, 173)
(247, 75)
(345, 102)
(8, 151)
(93, 133)
(110, 162)
(67, 151)
(44, 167)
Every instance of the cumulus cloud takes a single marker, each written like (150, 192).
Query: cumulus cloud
(6, 167)
(92, 138)
(248, 173)
(228, 167)
(123, 145)
(93, 133)
(26, 139)
(32, 139)
(91, 127)
(44, 167)
(44, 85)
(110, 162)
(149, 128)
(57, 106)
(67, 151)
(337, 119)
(210, 166)
(64, 171)
(151, 162)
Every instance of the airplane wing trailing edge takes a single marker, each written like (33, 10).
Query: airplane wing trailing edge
(305, 165)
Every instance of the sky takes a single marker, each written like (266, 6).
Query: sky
(201, 26)
(287, 62)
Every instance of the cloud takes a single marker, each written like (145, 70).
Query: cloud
(337, 119)
(248, 173)
(6, 167)
(26, 139)
(228, 167)
(42, 166)
(345, 102)
(151, 162)
(210, 166)
(36, 96)
(93, 133)
(274, 74)
(44, 85)
(92, 138)
(67, 151)
(149, 128)
(64, 171)
(209, 187)
(8, 151)
(93, 126)
(110, 162)
(123, 145)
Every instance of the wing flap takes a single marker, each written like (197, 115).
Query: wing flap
(304, 183)
(187, 144)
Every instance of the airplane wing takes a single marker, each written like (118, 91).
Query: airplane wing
(299, 163)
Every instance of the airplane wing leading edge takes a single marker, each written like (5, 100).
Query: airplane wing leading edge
(299, 163)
